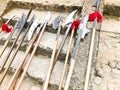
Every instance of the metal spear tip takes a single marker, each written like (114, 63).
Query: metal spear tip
(96, 3)
(69, 18)
(55, 23)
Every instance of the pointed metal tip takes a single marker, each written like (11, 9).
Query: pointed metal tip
(70, 17)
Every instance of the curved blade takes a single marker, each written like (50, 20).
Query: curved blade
(21, 22)
(83, 27)
(70, 18)
(55, 24)
(32, 28)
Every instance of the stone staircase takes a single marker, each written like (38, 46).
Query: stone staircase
(38, 69)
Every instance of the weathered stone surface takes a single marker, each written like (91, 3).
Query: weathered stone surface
(50, 5)
(46, 45)
(111, 24)
(38, 68)
(103, 86)
(110, 86)
(112, 63)
(35, 88)
(97, 80)
(112, 7)
(118, 65)
(116, 73)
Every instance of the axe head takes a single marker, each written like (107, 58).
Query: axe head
(70, 18)
(21, 21)
(96, 3)
(55, 24)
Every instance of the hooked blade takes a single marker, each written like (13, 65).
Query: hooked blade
(21, 22)
(70, 18)
(55, 24)
(32, 28)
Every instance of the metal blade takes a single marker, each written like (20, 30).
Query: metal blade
(32, 28)
(21, 22)
(55, 24)
(70, 18)
(83, 27)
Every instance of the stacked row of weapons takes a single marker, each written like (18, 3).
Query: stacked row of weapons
(35, 31)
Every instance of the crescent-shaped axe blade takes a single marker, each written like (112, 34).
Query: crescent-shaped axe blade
(55, 23)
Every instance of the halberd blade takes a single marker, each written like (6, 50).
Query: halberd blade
(70, 18)
(55, 24)
(32, 28)
(21, 22)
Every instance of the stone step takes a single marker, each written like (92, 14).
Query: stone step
(52, 5)
(45, 47)
(112, 7)
(47, 44)
(111, 24)
(38, 68)
(38, 15)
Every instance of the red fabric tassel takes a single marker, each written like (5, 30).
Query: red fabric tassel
(75, 24)
(5, 28)
(94, 15)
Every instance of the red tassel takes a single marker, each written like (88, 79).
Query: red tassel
(94, 15)
(5, 28)
(75, 24)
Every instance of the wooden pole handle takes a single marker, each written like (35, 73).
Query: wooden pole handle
(90, 60)
(66, 60)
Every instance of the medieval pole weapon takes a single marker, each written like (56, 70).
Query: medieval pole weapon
(11, 85)
(74, 25)
(7, 41)
(16, 50)
(20, 29)
(55, 25)
(33, 52)
(68, 21)
(91, 50)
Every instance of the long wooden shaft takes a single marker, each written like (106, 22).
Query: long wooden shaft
(23, 21)
(61, 45)
(9, 52)
(66, 60)
(72, 63)
(30, 59)
(17, 72)
(13, 56)
(6, 43)
(45, 85)
(58, 52)
(90, 60)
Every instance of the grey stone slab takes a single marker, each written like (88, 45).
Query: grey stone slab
(38, 68)
(38, 14)
(46, 44)
(63, 2)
